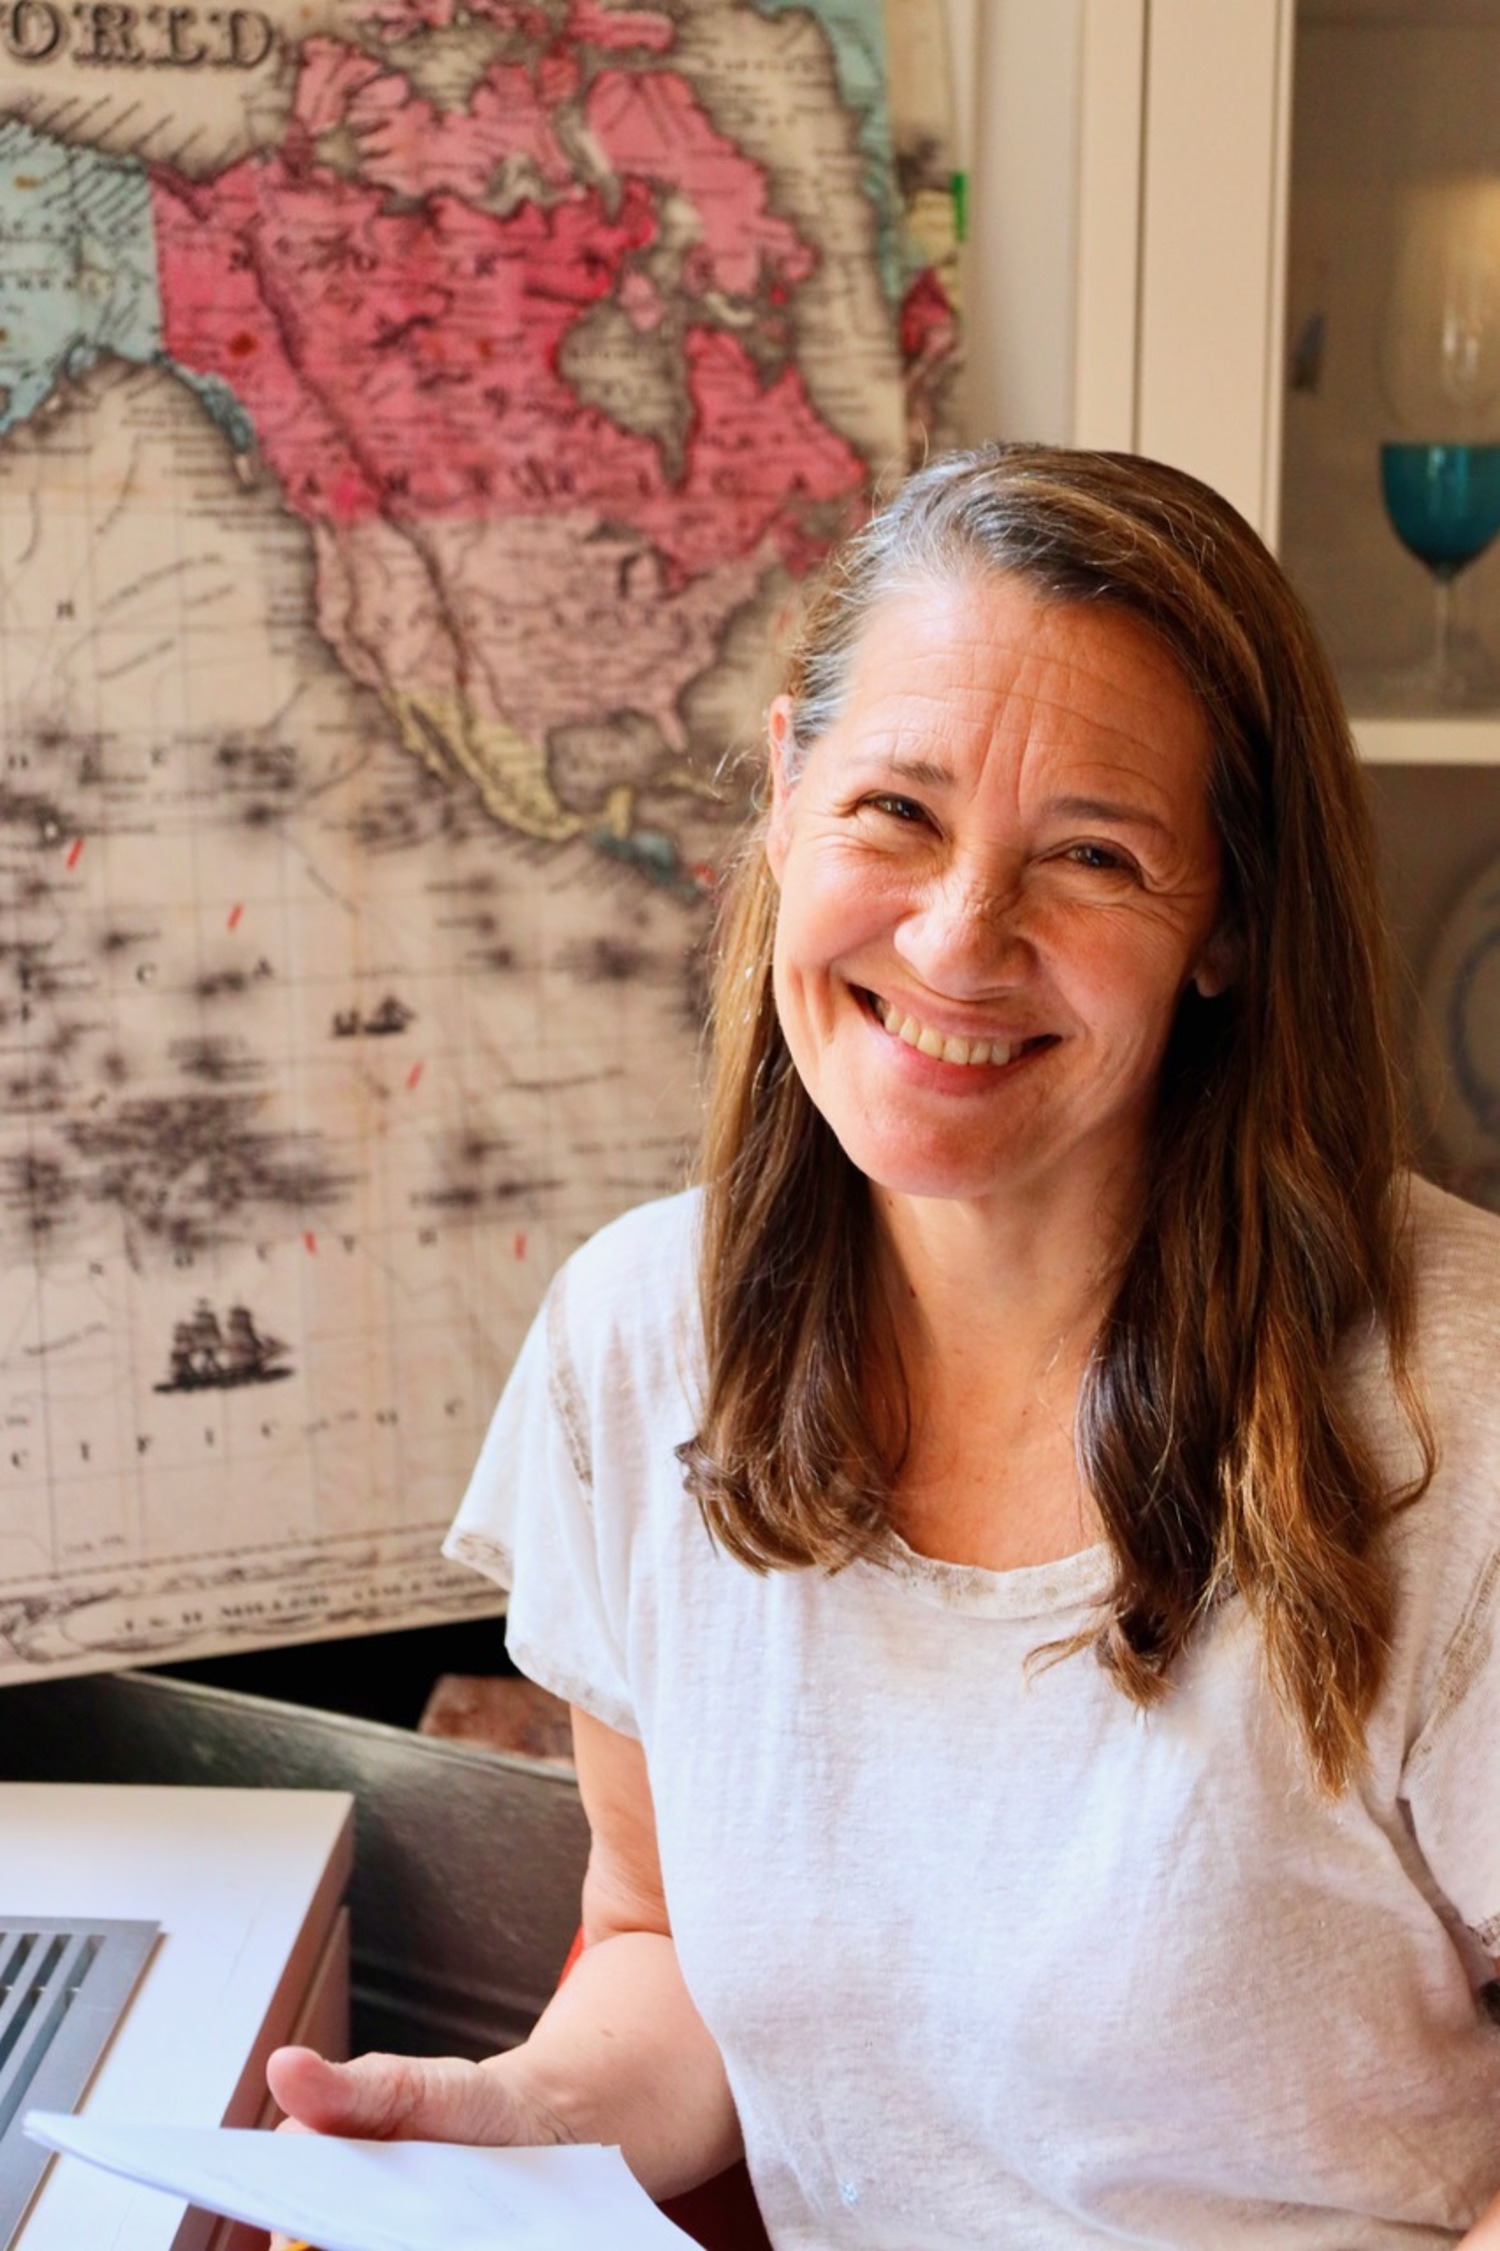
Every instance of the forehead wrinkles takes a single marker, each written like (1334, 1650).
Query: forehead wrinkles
(944, 638)
(927, 707)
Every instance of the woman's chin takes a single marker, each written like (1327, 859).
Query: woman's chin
(939, 1175)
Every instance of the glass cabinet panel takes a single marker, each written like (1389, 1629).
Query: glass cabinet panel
(1290, 262)
(1390, 471)
(1390, 491)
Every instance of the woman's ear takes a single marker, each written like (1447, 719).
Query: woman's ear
(1218, 966)
(783, 746)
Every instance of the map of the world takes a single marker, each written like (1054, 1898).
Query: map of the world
(416, 420)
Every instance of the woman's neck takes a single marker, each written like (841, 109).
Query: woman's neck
(992, 1325)
(1036, 1276)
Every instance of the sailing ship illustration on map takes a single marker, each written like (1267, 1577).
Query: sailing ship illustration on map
(210, 1355)
(392, 1016)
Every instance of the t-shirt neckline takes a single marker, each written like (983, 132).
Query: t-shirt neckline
(1030, 1590)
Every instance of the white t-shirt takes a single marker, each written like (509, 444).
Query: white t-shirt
(993, 1958)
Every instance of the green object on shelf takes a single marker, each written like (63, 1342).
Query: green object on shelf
(960, 187)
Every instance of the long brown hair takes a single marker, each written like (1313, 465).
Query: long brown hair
(1213, 1429)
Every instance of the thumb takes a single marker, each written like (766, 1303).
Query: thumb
(407, 2098)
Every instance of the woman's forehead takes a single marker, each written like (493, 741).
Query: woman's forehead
(943, 662)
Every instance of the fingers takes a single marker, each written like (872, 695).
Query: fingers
(411, 2098)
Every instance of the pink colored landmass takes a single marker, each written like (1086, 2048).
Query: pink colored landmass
(397, 348)
(397, 358)
(761, 466)
(407, 145)
(406, 361)
(396, 20)
(610, 29)
(492, 618)
(651, 126)
(929, 325)
(622, 27)
(222, 315)
(642, 301)
(331, 77)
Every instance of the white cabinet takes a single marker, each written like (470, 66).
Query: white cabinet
(1180, 237)
(1185, 211)
(248, 1887)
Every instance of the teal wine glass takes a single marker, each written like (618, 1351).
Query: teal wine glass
(1443, 502)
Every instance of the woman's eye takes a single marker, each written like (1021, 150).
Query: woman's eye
(1104, 857)
(899, 808)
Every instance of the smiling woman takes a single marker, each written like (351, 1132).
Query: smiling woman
(1132, 832)
(1002, 844)
(1042, 1791)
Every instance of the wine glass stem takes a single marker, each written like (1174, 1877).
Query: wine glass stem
(1442, 633)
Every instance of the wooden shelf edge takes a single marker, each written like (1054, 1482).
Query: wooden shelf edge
(1429, 742)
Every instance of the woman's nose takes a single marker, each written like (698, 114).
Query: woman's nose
(966, 935)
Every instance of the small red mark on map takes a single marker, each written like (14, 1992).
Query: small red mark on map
(518, 1247)
(310, 1243)
(350, 496)
(242, 345)
(74, 851)
(234, 916)
(412, 1077)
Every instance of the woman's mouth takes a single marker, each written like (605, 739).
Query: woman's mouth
(927, 1040)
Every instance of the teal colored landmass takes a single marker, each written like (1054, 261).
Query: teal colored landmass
(77, 266)
(856, 33)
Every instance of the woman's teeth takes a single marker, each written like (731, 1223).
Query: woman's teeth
(930, 1042)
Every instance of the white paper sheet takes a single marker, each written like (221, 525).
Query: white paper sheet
(381, 2196)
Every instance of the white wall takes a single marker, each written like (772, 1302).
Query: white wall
(1017, 66)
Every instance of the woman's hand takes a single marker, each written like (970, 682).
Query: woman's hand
(405, 2098)
(618, 2055)
(409, 2098)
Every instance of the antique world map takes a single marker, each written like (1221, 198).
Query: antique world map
(416, 420)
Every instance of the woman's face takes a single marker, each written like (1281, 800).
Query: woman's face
(998, 876)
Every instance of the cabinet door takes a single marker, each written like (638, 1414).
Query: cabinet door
(1212, 256)
(1181, 231)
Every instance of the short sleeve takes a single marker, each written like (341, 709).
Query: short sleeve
(1452, 1779)
(528, 1521)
